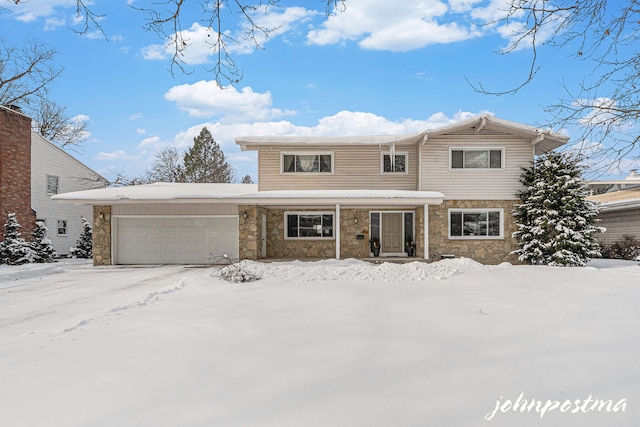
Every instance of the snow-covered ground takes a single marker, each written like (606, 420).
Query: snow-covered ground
(329, 343)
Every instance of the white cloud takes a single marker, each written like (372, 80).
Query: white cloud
(114, 155)
(207, 99)
(136, 116)
(200, 40)
(393, 26)
(51, 24)
(141, 131)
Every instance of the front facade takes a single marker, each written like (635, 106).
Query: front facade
(431, 195)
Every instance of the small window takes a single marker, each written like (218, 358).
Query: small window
(52, 184)
(62, 227)
(307, 163)
(475, 223)
(485, 158)
(312, 225)
(394, 163)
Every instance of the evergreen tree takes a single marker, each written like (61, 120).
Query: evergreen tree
(205, 161)
(14, 250)
(247, 179)
(41, 245)
(555, 220)
(84, 244)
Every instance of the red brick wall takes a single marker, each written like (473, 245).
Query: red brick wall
(15, 170)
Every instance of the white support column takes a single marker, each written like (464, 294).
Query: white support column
(425, 227)
(337, 228)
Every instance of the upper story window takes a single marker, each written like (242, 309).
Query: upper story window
(309, 225)
(396, 163)
(475, 223)
(307, 163)
(52, 184)
(476, 158)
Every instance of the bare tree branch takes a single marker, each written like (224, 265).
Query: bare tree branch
(52, 122)
(606, 102)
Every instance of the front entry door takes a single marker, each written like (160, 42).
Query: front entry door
(391, 241)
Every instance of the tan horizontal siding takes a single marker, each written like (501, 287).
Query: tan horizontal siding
(175, 209)
(475, 184)
(355, 167)
(619, 223)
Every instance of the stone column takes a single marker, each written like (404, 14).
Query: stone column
(102, 235)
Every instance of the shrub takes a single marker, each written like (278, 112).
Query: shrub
(628, 247)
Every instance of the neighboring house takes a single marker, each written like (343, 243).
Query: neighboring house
(32, 170)
(54, 171)
(438, 193)
(619, 207)
(15, 173)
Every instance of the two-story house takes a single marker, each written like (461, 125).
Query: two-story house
(32, 170)
(438, 193)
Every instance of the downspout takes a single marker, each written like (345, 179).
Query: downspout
(426, 232)
(339, 225)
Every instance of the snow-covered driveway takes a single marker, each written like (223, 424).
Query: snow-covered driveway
(61, 296)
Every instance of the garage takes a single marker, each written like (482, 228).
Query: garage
(174, 239)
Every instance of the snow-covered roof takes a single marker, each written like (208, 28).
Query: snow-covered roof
(164, 192)
(157, 192)
(543, 140)
(623, 199)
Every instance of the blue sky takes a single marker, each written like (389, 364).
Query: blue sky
(379, 67)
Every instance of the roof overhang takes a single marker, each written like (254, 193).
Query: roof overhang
(175, 193)
(253, 142)
(542, 140)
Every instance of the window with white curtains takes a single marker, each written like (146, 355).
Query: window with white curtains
(307, 163)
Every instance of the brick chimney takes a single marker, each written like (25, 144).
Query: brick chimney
(15, 169)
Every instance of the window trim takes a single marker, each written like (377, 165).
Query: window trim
(49, 193)
(306, 153)
(320, 213)
(483, 148)
(406, 163)
(475, 210)
(66, 227)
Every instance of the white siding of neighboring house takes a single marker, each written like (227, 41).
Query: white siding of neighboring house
(47, 159)
(469, 184)
(356, 166)
(618, 224)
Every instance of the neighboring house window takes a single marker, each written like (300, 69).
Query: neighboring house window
(52, 184)
(307, 163)
(394, 164)
(476, 158)
(475, 223)
(309, 225)
(62, 227)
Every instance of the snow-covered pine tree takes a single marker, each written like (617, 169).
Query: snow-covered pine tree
(14, 250)
(84, 244)
(556, 223)
(41, 245)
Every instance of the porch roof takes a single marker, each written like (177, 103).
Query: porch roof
(164, 192)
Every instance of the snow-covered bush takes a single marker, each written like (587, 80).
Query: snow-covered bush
(84, 244)
(14, 250)
(628, 247)
(41, 245)
(235, 271)
(556, 222)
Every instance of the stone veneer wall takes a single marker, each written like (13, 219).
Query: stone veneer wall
(102, 235)
(249, 231)
(353, 222)
(486, 251)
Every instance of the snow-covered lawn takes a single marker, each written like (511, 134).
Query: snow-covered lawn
(329, 343)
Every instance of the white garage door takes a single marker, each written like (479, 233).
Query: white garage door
(175, 240)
